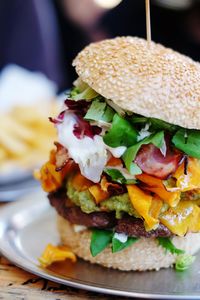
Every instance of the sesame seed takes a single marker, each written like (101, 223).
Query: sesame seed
(154, 82)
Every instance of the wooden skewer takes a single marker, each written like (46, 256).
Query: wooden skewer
(148, 22)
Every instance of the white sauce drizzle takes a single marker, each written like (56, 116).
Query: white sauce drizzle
(144, 132)
(118, 151)
(91, 154)
(163, 148)
(122, 237)
(79, 228)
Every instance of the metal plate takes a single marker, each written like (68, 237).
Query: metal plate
(28, 225)
(12, 192)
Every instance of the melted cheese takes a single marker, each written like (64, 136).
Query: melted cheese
(156, 186)
(191, 180)
(183, 218)
(53, 254)
(142, 203)
(98, 194)
(50, 179)
(80, 183)
(156, 206)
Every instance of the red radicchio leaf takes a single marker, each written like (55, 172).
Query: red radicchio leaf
(59, 119)
(78, 107)
(83, 128)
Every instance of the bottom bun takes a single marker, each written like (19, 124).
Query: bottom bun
(143, 255)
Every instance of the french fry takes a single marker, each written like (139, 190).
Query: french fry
(16, 129)
(2, 153)
(12, 145)
(26, 136)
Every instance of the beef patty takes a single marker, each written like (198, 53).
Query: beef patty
(129, 225)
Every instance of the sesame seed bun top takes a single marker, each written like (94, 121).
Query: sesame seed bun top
(154, 82)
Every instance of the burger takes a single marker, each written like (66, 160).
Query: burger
(124, 176)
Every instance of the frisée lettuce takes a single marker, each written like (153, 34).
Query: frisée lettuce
(183, 262)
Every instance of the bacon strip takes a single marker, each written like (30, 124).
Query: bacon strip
(112, 188)
(61, 156)
(151, 161)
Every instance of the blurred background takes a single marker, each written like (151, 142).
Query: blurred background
(45, 35)
(40, 38)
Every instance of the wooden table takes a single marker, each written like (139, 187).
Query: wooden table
(18, 284)
(21, 285)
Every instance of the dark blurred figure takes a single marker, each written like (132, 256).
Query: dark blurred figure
(46, 35)
(175, 28)
(29, 36)
(80, 24)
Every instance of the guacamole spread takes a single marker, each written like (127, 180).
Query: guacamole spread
(120, 203)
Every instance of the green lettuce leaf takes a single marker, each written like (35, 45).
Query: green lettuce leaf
(167, 244)
(118, 246)
(108, 114)
(84, 92)
(117, 176)
(183, 262)
(121, 133)
(137, 119)
(155, 124)
(74, 91)
(188, 141)
(121, 112)
(157, 139)
(100, 240)
(96, 110)
(99, 111)
(134, 169)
